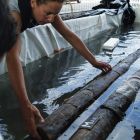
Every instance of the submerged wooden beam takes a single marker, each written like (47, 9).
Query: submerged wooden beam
(60, 119)
(110, 113)
(74, 15)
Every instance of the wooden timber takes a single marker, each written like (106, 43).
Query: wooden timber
(59, 120)
(111, 112)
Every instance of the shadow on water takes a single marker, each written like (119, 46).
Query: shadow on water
(50, 81)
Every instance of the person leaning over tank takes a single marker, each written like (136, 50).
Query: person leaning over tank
(8, 43)
(27, 14)
(7, 29)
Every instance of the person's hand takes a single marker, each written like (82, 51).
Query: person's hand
(32, 116)
(105, 67)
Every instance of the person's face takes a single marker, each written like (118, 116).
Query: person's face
(45, 13)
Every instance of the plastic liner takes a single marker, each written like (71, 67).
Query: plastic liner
(43, 40)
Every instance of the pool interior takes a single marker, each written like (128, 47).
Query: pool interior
(50, 81)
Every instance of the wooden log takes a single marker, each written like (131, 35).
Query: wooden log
(117, 103)
(60, 119)
(73, 15)
(111, 111)
(101, 83)
(100, 129)
(55, 124)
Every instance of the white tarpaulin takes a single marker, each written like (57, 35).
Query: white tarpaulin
(44, 40)
(136, 6)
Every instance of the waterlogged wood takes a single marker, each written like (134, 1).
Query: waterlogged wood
(126, 63)
(100, 129)
(60, 119)
(73, 15)
(82, 99)
(54, 122)
(98, 85)
(101, 83)
(118, 103)
(111, 111)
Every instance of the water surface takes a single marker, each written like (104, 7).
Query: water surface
(52, 80)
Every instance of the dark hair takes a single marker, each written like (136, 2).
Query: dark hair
(7, 28)
(44, 1)
(129, 15)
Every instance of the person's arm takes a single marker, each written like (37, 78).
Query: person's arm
(31, 114)
(76, 42)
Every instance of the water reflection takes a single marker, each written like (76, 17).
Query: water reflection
(52, 80)
(49, 82)
(4, 131)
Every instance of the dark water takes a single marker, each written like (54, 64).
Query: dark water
(52, 80)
